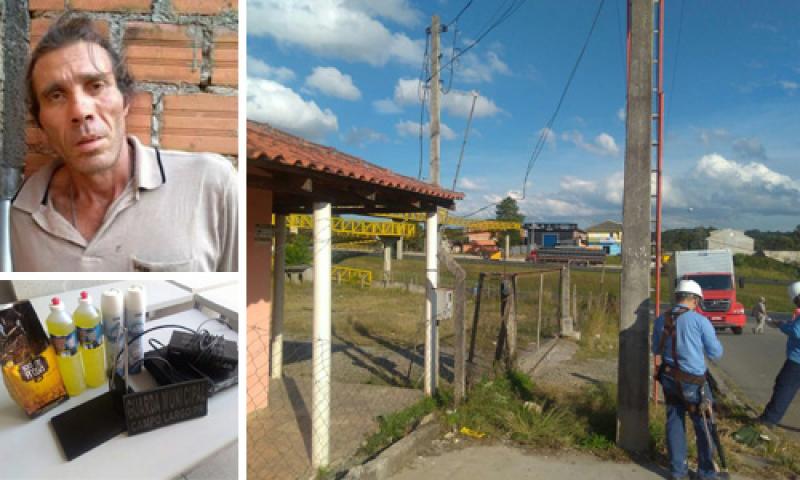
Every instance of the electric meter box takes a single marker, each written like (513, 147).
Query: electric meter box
(444, 303)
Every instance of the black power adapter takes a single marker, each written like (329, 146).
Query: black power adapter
(203, 350)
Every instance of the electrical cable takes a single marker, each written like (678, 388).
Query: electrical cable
(546, 131)
(674, 69)
(464, 9)
(510, 11)
(422, 93)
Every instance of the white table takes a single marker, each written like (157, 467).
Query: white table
(29, 448)
(223, 300)
(200, 282)
(161, 295)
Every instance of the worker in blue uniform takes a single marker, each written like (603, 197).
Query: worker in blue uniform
(682, 338)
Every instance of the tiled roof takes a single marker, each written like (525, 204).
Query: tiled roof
(264, 141)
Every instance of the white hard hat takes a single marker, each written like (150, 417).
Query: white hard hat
(794, 291)
(690, 286)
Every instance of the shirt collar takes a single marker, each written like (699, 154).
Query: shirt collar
(148, 175)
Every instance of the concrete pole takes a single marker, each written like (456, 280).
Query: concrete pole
(387, 261)
(507, 252)
(432, 229)
(431, 327)
(321, 348)
(399, 247)
(435, 90)
(278, 282)
(633, 367)
(567, 322)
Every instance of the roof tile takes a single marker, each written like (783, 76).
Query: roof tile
(277, 146)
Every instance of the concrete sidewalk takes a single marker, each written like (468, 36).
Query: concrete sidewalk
(500, 461)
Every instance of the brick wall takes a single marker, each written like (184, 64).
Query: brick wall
(183, 55)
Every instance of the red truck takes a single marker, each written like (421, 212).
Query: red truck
(713, 270)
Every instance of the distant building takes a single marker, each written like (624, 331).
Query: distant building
(606, 235)
(553, 234)
(734, 240)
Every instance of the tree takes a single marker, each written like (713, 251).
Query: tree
(508, 210)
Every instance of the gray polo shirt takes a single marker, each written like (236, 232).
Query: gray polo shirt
(178, 213)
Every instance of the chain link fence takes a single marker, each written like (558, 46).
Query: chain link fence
(377, 352)
(377, 359)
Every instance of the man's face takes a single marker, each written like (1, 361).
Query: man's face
(82, 112)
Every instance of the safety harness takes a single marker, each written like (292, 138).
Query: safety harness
(680, 377)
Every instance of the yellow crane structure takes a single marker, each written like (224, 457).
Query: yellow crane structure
(404, 226)
(446, 219)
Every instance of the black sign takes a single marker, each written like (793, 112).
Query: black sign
(145, 411)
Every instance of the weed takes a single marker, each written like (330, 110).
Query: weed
(394, 426)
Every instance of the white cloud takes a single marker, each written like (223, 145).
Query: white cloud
(408, 128)
(471, 184)
(716, 191)
(549, 136)
(396, 10)
(707, 136)
(336, 28)
(259, 68)
(331, 81)
(386, 106)
(789, 85)
(457, 102)
(281, 107)
(471, 68)
(361, 136)
(602, 144)
(621, 114)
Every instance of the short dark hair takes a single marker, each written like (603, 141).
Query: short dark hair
(69, 29)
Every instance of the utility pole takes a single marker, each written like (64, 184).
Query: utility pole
(435, 92)
(633, 367)
(432, 229)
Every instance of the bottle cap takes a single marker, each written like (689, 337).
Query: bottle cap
(85, 297)
(55, 301)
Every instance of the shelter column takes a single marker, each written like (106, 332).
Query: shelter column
(279, 280)
(399, 248)
(387, 258)
(431, 327)
(321, 349)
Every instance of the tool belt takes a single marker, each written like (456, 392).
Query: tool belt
(683, 377)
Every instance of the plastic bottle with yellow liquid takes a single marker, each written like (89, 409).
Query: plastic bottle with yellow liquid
(65, 341)
(90, 335)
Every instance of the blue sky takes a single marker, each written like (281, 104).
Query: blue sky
(345, 73)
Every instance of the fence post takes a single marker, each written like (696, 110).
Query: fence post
(512, 325)
(575, 304)
(505, 311)
(539, 321)
(459, 325)
(567, 325)
(475, 317)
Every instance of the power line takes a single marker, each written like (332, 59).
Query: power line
(515, 5)
(422, 94)
(466, 134)
(675, 67)
(454, 20)
(547, 130)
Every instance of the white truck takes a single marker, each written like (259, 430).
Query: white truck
(713, 270)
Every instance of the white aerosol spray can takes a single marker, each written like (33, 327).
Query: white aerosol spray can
(135, 316)
(112, 312)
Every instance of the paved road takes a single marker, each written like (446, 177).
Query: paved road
(752, 362)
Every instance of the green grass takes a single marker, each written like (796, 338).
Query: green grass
(511, 406)
(396, 425)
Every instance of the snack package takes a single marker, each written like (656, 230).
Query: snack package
(28, 360)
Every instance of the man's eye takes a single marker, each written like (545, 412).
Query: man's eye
(55, 96)
(97, 86)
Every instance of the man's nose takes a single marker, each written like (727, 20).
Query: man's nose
(82, 108)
